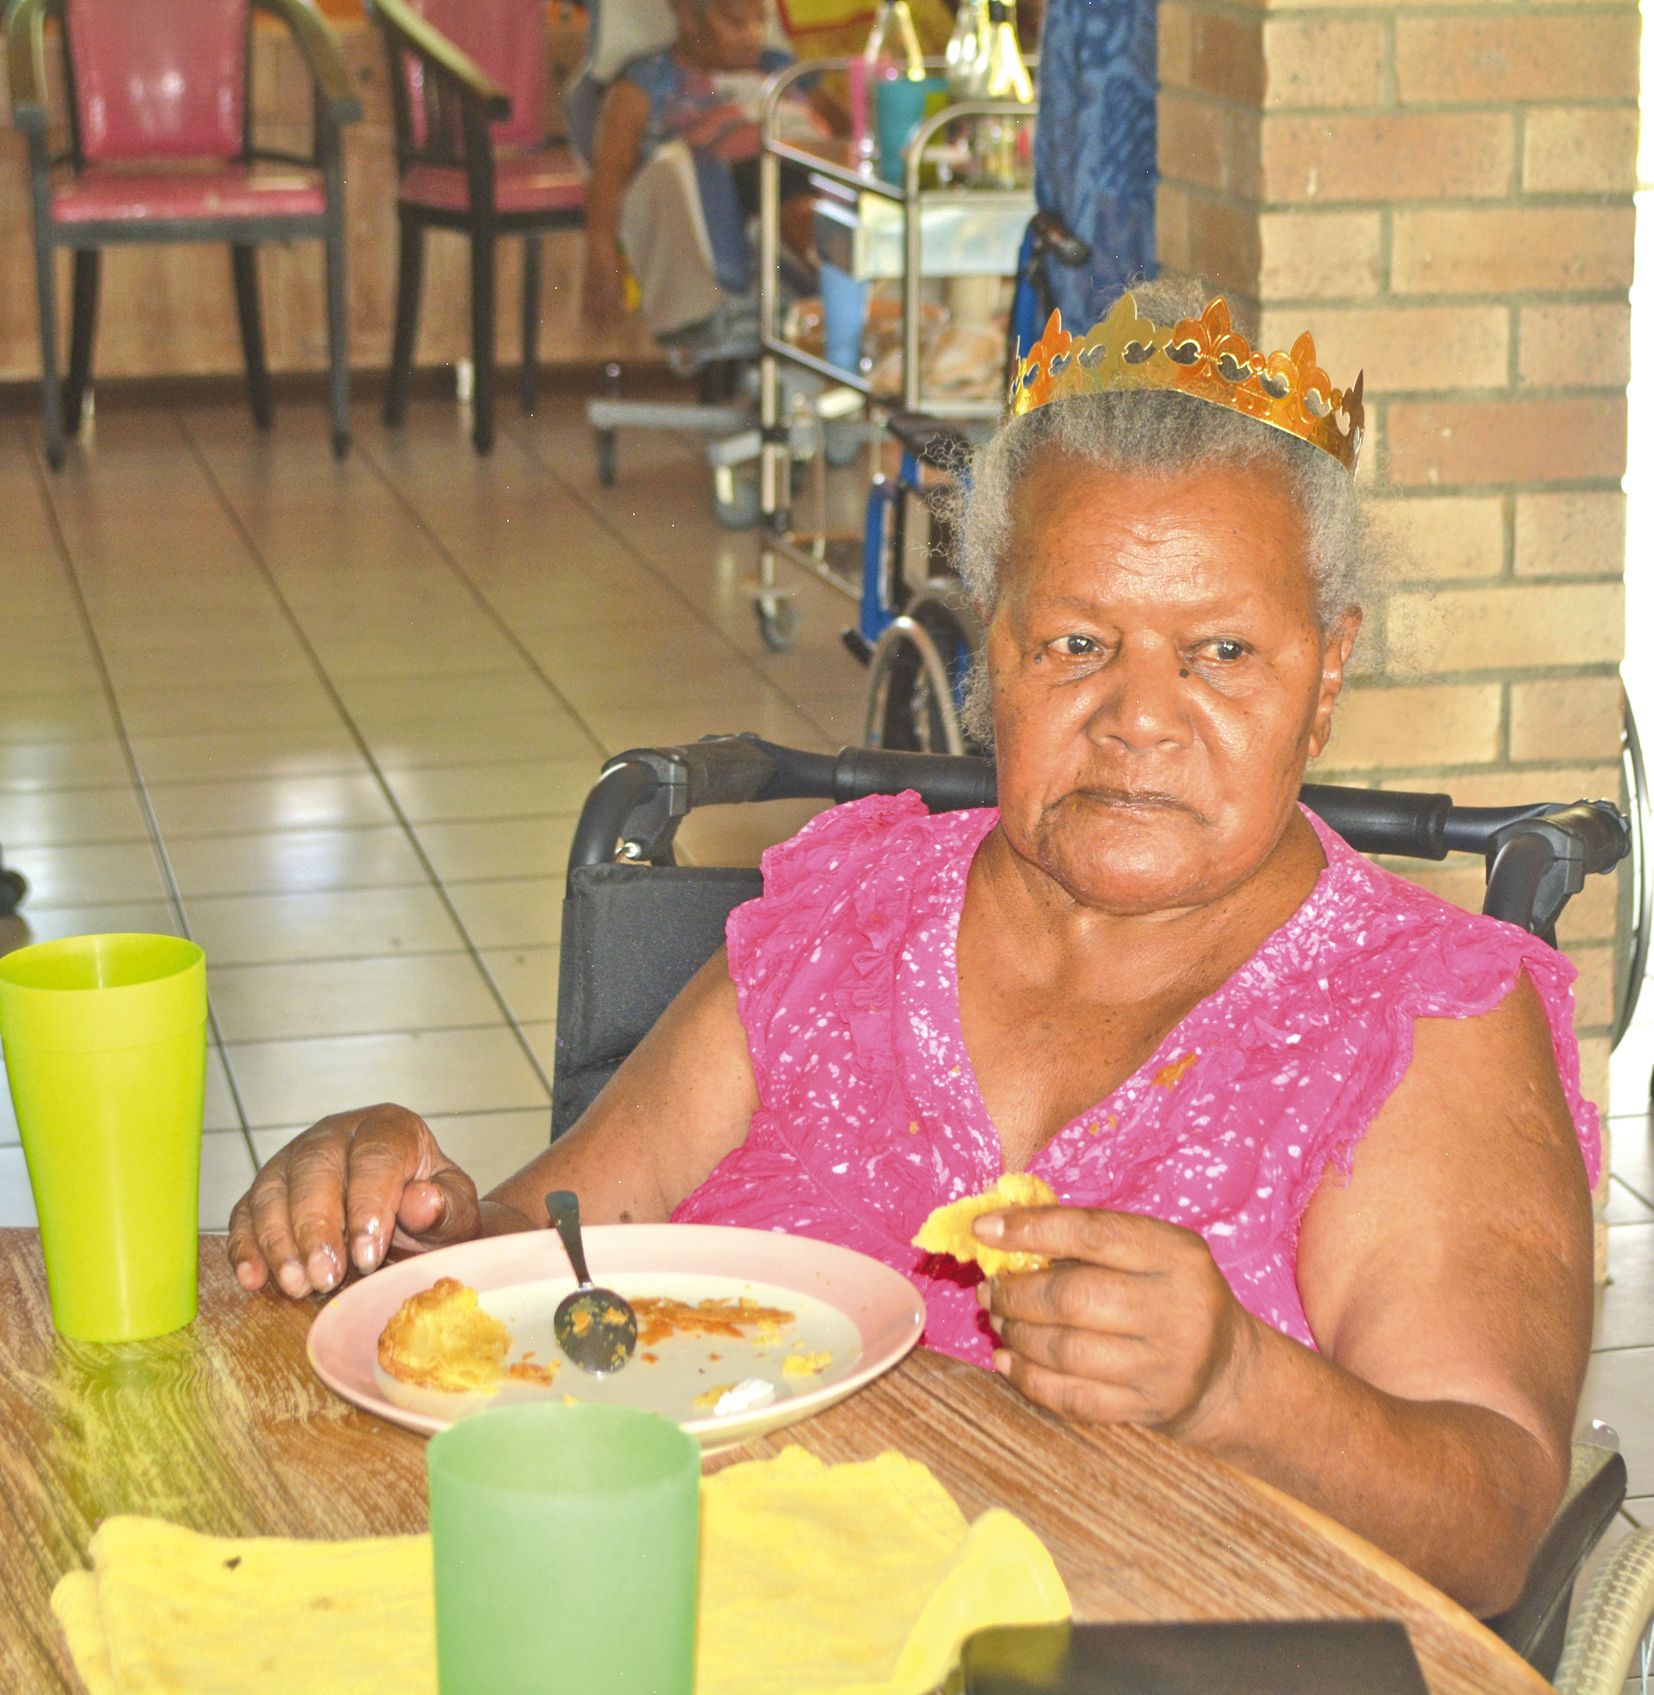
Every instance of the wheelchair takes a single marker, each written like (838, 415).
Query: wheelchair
(637, 925)
(916, 631)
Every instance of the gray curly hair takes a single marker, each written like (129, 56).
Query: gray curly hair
(1156, 433)
(1153, 433)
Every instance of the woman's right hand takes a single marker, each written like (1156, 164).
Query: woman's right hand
(356, 1183)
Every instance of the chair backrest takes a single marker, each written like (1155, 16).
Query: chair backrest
(506, 39)
(662, 924)
(158, 79)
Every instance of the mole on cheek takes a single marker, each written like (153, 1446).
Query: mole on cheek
(1183, 673)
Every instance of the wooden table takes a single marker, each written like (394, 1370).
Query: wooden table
(223, 1427)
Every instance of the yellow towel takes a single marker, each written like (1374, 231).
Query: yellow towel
(815, 1580)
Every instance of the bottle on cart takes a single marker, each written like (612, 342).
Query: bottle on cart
(1003, 144)
(892, 51)
(966, 47)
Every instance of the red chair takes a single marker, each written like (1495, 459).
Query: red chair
(468, 94)
(160, 148)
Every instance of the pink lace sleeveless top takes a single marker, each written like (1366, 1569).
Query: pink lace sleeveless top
(870, 1115)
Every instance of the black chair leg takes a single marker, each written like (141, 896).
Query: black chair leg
(244, 262)
(338, 332)
(410, 276)
(51, 393)
(482, 339)
(529, 370)
(82, 332)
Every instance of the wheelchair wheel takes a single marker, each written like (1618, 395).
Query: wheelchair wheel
(12, 890)
(913, 681)
(604, 442)
(777, 621)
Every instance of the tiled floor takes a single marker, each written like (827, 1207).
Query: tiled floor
(336, 721)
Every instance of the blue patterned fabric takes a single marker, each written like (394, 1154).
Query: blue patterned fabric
(1094, 147)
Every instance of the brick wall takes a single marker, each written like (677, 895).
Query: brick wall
(1444, 197)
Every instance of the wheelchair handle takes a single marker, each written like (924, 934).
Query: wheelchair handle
(1384, 820)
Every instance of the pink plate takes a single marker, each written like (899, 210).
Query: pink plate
(853, 1310)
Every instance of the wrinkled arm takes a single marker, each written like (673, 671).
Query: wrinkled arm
(1449, 1285)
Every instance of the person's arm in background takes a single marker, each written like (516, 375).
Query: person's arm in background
(617, 149)
(361, 1181)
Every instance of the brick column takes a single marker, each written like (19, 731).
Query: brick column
(1445, 199)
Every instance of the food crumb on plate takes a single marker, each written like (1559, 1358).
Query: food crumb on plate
(806, 1364)
(740, 1397)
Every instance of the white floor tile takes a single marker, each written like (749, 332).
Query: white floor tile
(296, 862)
(429, 1071)
(351, 997)
(335, 924)
(269, 803)
(527, 977)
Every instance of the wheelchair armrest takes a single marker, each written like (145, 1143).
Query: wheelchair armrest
(929, 440)
(1533, 1624)
(323, 57)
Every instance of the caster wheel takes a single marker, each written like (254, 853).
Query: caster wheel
(12, 890)
(739, 510)
(842, 442)
(777, 622)
(604, 442)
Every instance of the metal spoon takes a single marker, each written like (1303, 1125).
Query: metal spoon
(595, 1327)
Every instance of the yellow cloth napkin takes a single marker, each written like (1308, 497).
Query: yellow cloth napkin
(815, 1580)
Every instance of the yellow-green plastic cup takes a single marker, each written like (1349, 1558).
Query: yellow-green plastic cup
(565, 1546)
(106, 1054)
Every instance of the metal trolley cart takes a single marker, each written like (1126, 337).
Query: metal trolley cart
(882, 230)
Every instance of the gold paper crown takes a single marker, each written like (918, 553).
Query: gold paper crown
(1203, 356)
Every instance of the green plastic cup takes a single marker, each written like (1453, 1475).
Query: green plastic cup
(106, 1053)
(566, 1542)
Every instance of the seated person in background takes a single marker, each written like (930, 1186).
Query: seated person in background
(1318, 1135)
(702, 91)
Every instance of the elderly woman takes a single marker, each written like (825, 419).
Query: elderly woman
(1319, 1138)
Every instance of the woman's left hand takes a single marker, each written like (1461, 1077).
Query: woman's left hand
(1131, 1323)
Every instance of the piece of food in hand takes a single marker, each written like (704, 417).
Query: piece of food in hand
(441, 1338)
(948, 1229)
(806, 1364)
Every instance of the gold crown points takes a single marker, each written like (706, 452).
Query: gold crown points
(1205, 357)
